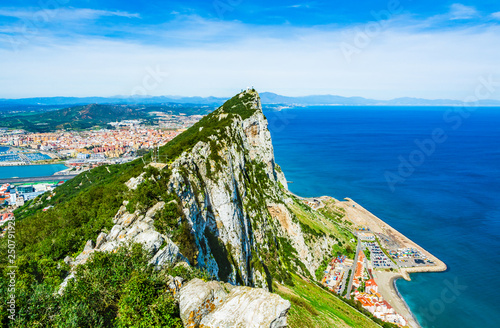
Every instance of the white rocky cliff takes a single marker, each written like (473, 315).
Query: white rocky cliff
(234, 198)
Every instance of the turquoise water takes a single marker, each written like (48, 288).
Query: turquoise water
(445, 198)
(3, 149)
(29, 171)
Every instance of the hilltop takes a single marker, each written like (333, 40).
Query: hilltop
(74, 118)
(91, 116)
(131, 245)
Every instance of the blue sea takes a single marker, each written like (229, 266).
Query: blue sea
(3, 149)
(29, 171)
(433, 173)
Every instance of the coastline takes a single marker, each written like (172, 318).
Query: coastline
(387, 287)
(394, 279)
(386, 280)
(362, 217)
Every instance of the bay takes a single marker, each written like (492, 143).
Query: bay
(29, 171)
(447, 199)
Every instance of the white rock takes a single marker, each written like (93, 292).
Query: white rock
(134, 231)
(197, 298)
(115, 231)
(133, 183)
(214, 304)
(128, 219)
(249, 307)
(109, 246)
(89, 246)
(65, 282)
(144, 225)
(153, 210)
(101, 239)
(151, 240)
(165, 256)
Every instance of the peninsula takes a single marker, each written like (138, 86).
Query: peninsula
(383, 255)
(205, 233)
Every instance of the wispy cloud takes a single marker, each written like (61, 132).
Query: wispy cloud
(302, 5)
(206, 56)
(286, 60)
(68, 14)
(496, 15)
(460, 11)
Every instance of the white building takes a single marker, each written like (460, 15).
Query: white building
(13, 198)
(20, 201)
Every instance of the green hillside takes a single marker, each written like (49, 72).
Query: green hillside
(91, 116)
(74, 118)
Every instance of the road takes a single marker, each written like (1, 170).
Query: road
(353, 270)
(344, 282)
(62, 177)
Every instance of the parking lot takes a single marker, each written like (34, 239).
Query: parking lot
(378, 257)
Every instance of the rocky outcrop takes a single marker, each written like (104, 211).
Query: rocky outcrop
(216, 304)
(227, 187)
(131, 228)
(133, 183)
(233, 197)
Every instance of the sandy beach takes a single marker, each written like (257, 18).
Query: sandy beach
(361, 218)
(385, 281)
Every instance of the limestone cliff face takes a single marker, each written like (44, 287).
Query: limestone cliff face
(234, 197)
(235, 212)
(235, 200)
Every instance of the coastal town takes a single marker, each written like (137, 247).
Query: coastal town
(382, 256)
(79, 151)
(120, 139)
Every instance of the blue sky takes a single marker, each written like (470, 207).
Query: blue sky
(376, 49)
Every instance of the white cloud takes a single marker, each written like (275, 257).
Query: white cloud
(459, 11)
(67, 14)
(496, 15)
(222, 57)
(301, 5)
(436, 65)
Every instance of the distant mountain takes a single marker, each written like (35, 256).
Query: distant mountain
(272, 98)
(75, 118)
(88, 116)
(268, 98)
(51, 101)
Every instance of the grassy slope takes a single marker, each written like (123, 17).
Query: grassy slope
(315, 307)
(326, 221)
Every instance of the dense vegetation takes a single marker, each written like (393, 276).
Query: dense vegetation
(111, 290)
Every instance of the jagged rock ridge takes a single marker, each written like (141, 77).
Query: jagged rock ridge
(234, 199)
